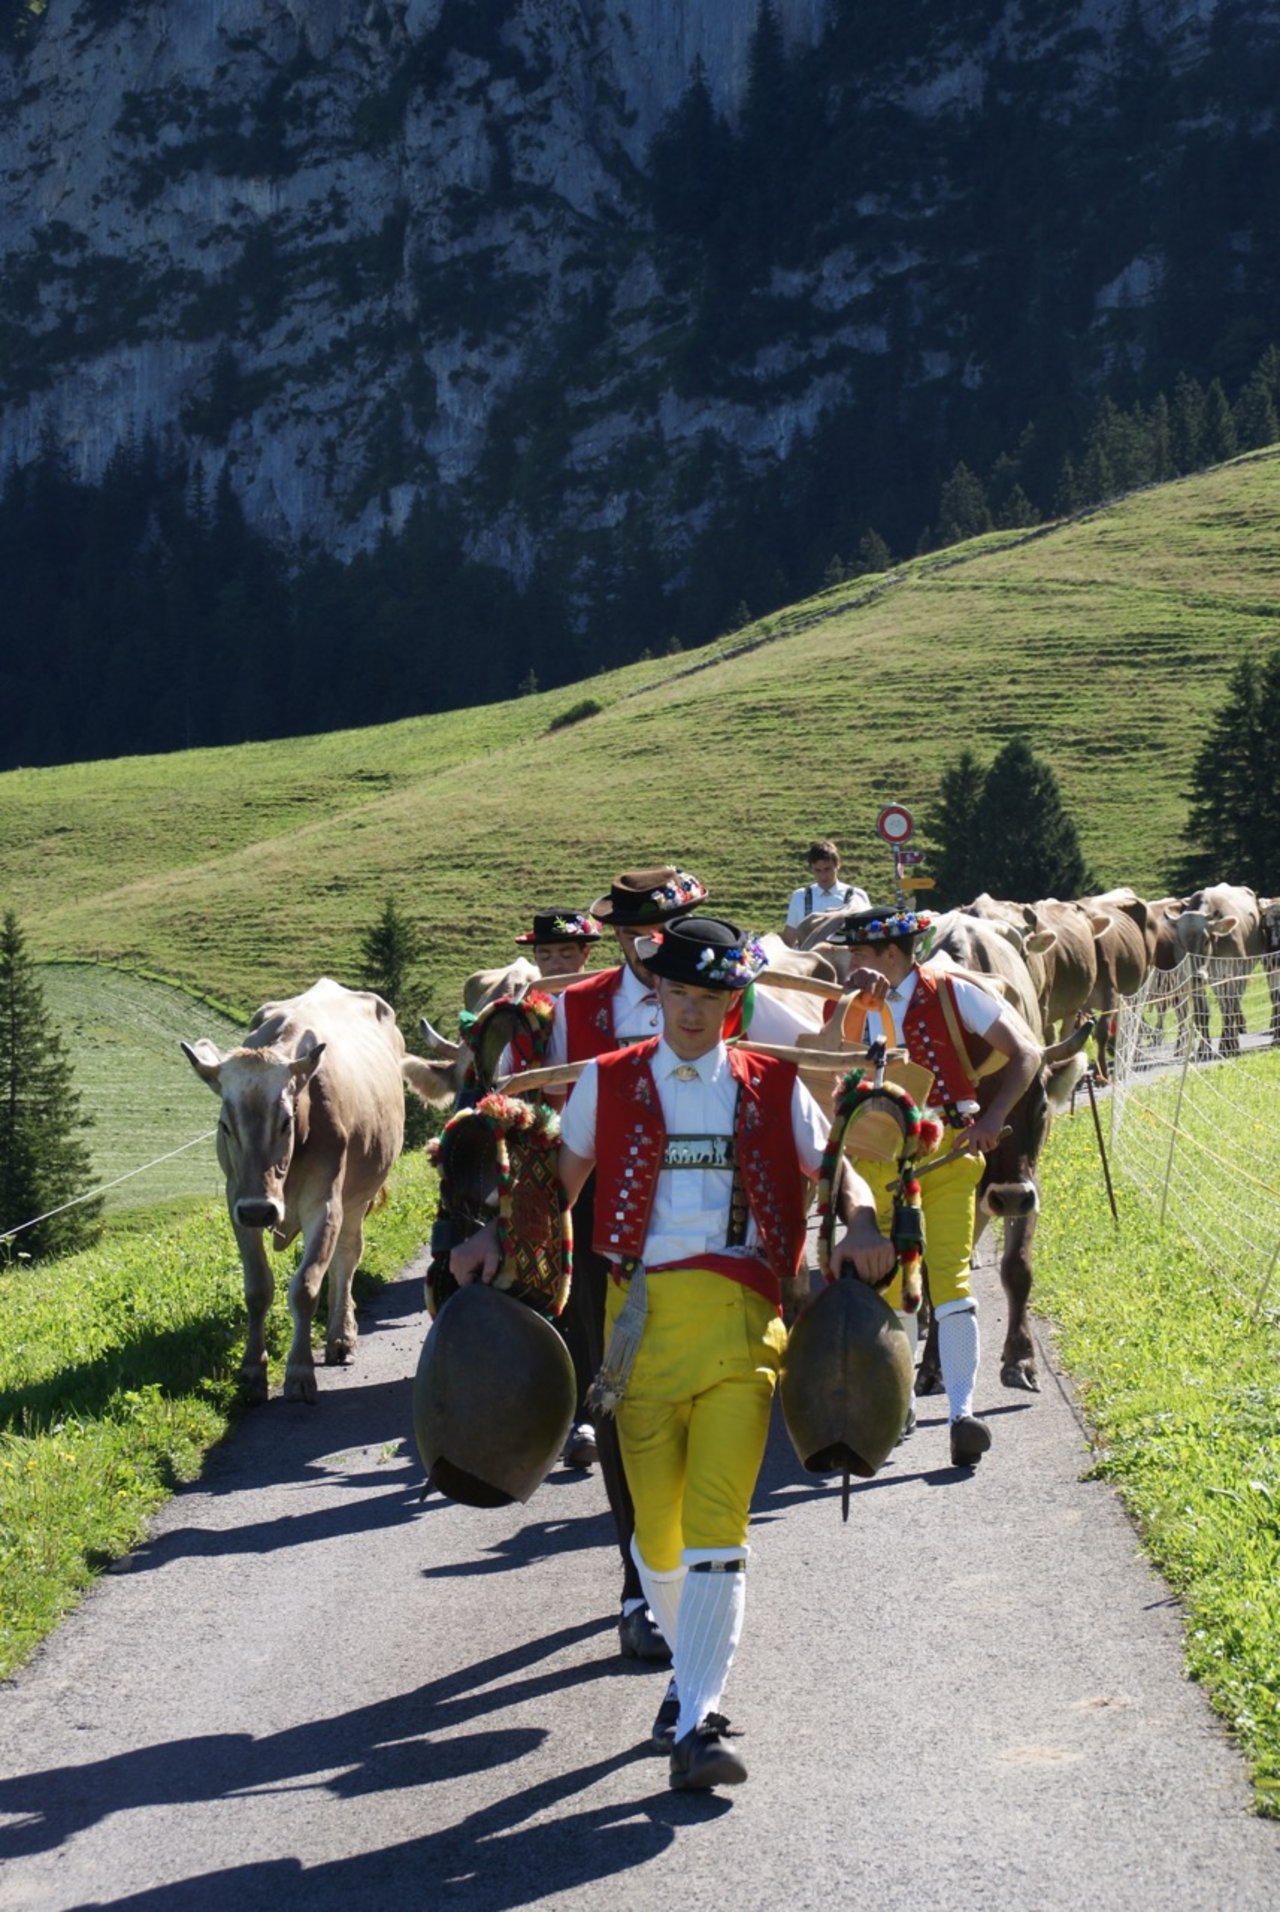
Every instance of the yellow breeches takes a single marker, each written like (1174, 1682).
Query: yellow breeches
(693, 1424)
(947, 1198)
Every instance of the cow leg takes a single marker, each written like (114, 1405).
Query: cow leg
(319, 1242)
(1232, 1023)
(340, 1341)
(1017, 1359)
(929, 1372)
(259, 1290)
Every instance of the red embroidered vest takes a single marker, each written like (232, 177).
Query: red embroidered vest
(929, 1041)
(588, 1015)
(631, 1140)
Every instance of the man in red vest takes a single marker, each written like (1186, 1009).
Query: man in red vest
(607, 1010)
(699, 1152)
(957, 1030)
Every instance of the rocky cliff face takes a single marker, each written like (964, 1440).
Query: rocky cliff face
(323, 239)
(358, 252)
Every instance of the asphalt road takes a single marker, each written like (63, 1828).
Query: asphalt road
(308, 1687)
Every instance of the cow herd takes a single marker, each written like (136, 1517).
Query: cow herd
(312, 1101)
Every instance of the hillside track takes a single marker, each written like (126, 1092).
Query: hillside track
(308, 1686)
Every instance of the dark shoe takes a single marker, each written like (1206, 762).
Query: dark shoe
(664, 1726)
(702, 1760)
(580, 1449)
(640, 1639)
(970, 1439)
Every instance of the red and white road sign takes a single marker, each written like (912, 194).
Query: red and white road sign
(895, 824)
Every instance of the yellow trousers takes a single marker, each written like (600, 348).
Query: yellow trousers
(947, 1197)
(693, 1423)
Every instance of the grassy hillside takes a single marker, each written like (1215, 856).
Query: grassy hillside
(123, 1033)
(246, 873)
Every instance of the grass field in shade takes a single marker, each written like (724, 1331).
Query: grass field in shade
(246, 873)
(122, 1034)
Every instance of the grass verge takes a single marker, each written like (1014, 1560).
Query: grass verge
(1181, 1387)
(117, 1375)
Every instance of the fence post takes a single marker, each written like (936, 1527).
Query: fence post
(1188, 1046)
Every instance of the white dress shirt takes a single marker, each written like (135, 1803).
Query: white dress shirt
(690, 1214)
(841, 896)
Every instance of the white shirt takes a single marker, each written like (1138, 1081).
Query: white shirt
(690, 1214)
(841, 896)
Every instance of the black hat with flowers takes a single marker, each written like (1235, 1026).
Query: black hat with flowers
(640, 898)
(562, 926)
(706, 952)
(883, 923)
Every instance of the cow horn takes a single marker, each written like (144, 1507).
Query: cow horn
(450, 1050)
(1059, 1052)
(555, 1076)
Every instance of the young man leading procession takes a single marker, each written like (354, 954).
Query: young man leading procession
(699, 1152)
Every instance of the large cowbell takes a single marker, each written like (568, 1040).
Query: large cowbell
(493, 1398)
(846, 1381)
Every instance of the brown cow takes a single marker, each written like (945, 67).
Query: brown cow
(1009, 1189)
(312, 1121)
(1119, 921)
(1056, 940)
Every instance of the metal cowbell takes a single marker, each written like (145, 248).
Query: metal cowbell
(846, 1381)
(493, 1398)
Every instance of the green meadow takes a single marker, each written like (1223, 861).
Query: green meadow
(245, 873)
(164, 897)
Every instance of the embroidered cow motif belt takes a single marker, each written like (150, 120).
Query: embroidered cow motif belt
(699, 1151)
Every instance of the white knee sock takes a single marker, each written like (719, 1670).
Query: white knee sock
(662, 1593)
(958, 1349)
(710, 1625)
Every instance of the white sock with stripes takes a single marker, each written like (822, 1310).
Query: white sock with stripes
(709, 1628)
(958, 1351)
(662, 1592)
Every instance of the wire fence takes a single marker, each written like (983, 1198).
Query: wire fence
(1195, 1112)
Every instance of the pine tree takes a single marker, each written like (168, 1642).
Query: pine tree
(873, 553)
(1220, 441)
(963, 511)
(1232, 832)
(950, 829)
(43, 1162)
(389, 954)
(1256, 419)
(1025, 843)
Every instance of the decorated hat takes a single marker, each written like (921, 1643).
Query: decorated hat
(562, 926)
(706, 952)
(639, 898)
(883, 923)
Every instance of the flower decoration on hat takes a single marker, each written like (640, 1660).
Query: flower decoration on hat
(732, 968)
(683, 888)
(882, 927)
(583, 923)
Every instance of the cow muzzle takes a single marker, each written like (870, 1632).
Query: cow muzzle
(258, 1212)
(1011, 1198)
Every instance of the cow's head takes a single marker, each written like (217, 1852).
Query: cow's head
(263, 1115)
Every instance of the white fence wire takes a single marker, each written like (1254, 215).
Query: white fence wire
(1195, 1115)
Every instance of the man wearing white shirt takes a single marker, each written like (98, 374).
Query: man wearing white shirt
(958, 1031)
(700, 1152)
(823, 893)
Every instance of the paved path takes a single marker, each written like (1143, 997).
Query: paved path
(308, 1688)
